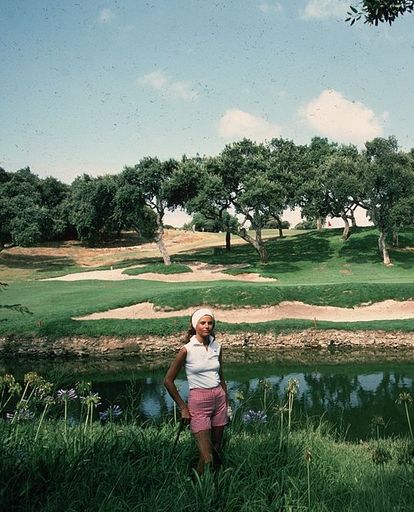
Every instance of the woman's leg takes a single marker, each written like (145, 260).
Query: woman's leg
(205, 449)
(217, 440)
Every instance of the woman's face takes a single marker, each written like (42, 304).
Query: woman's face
(204, 326)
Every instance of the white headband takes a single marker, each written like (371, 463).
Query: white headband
(199, 313)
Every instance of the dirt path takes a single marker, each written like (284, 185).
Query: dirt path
(387, 310)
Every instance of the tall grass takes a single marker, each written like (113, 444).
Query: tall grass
(134, 467)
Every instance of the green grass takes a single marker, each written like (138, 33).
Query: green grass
(159, 268)
(320, 257)
(313, 267)
(130, 467)
(54, 303)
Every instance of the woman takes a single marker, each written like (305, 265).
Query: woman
(207, 400)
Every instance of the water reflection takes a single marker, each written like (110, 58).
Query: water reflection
(346, 395)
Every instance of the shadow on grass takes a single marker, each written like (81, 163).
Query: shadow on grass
(284, 256)
(404, 259)
(362, 247)
(41, 263)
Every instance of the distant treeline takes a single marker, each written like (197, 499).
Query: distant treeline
(256, 182)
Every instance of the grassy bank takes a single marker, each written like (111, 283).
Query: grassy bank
(121, 467)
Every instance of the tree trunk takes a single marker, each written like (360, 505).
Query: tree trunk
(383, 249)
(318, 223)
(345, 233)
(261, 249)
(395, 241)
(353, 219)
(159, 239)
(163, 250)
(228, 240)
(256, 243)
(279, 227)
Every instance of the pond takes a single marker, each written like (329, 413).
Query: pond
(346, 391)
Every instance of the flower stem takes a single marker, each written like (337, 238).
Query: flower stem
(41, 421)
(409, 421)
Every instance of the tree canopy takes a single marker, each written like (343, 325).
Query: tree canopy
(241, 191)
(374, 12)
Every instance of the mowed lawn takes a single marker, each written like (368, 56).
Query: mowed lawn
(313, 267)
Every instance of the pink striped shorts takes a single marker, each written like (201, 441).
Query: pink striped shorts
(207, 408)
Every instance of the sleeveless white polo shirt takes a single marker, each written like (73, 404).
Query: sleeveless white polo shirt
(202, 366)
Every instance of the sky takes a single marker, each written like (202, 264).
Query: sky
(89, 86)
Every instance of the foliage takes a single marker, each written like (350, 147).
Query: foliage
(276, 224)
(148, 183)
(240, 191)
(379, 11)
(306, 224)
(311, 193)
(388, 189)
(91, 206)
(31, 208)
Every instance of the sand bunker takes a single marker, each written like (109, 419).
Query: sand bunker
(386, 310)
(200, 272)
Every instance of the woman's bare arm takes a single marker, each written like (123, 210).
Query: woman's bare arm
(222, 381)
(169, 383)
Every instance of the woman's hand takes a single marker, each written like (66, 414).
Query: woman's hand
(185, 414)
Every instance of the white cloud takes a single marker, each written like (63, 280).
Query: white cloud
(270, 7)
(182, 90)
(343, 120)
(176, 89)
(236, 124)
(324, 9)
(106, 15)
(156, 79)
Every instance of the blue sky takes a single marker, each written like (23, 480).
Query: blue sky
(91, 86)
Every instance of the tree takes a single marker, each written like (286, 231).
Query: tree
(91, 207)
(286, 162)
(151, 179)
(252, 189)
(216, 223)
(388, 189)
(21, 214)
(130, 210)
(30, 208)
(311, 192)
(54, 194)
(379, 11)
(342, 186)
(198, 187)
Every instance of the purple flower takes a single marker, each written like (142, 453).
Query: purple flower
(91, 400)
(113, 412)
(66, 394)
(21, 414)
(254, 417)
